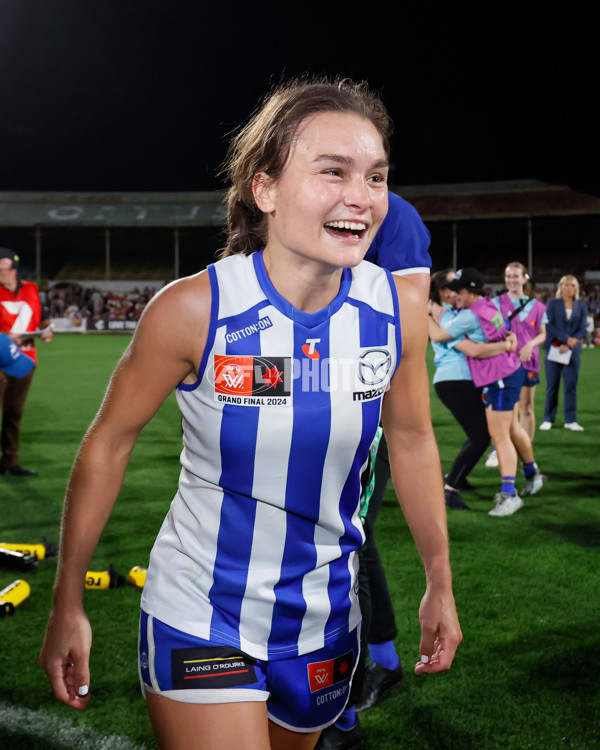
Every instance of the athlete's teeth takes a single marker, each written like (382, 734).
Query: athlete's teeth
(352, 225)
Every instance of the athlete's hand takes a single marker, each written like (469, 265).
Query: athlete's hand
(511, 341)
(435, 310)
(440, 631)
(526, 352)
(65, 657)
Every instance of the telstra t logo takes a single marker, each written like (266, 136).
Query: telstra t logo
(310, 348)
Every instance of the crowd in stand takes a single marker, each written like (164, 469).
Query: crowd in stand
(74, 301)
(79, 303)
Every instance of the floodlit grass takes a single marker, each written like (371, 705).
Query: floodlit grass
(526, 586)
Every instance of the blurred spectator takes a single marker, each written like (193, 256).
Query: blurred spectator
(589, 330)
(567, 316)
(77, 303)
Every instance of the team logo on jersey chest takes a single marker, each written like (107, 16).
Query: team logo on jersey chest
(253, 380)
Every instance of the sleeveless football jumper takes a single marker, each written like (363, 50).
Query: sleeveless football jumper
(258, 547)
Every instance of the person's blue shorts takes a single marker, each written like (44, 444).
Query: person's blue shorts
(303, 693)
(502, 395)
(531, 378)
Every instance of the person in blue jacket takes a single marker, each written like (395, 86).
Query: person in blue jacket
(567, 318)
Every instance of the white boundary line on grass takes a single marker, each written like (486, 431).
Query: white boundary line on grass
(65, 733)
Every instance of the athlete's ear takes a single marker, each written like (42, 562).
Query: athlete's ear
(262, 190)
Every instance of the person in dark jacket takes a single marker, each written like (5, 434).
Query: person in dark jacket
(567, 318)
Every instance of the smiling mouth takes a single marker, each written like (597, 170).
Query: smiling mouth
(356, 229)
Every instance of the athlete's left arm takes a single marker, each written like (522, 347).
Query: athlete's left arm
(417, 478)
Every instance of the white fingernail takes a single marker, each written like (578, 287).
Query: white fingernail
(424, 658)
(83, 690)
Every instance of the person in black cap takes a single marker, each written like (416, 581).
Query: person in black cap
(20, 314)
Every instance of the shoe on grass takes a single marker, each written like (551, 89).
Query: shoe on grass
(546, 425)
(334, 738)
(18, 471)
(454, 501)
(534, 484)
(506, 504)
(379, 681)
(492, 460)
(573, 426)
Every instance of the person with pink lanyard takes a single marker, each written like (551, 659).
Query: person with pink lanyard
(527, 319)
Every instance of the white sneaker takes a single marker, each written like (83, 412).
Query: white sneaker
(546, 426)
(573, 426)
(492, 460)
(534, 484)
(506, 505)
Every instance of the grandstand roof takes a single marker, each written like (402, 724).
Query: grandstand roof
(498, 200)
(450, 202)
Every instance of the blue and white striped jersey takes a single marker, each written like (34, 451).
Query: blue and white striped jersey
(258, 547)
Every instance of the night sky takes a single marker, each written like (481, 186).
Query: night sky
(141, 95)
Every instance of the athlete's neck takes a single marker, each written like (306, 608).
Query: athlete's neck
(301, 286)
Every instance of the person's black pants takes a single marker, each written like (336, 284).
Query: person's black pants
(463, 400)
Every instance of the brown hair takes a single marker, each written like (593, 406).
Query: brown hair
(527, 287)
(438, 279)
(263, 145)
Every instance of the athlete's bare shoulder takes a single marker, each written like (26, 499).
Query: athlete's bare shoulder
(413, 315)
(409, 293)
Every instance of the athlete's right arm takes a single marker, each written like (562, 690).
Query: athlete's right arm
(489, 350)
(166, 349)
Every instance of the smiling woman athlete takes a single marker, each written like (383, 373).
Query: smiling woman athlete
(250, 620)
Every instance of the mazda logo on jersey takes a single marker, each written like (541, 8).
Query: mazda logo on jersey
(253, 380)
(373, 366)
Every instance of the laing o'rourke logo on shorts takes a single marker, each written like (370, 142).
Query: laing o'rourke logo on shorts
(252, 380)
(324, 674)
(210, 667)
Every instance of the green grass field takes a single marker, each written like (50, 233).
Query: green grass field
(526, 586)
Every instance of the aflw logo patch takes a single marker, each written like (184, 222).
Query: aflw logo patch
(253, 381)
(324, 674)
